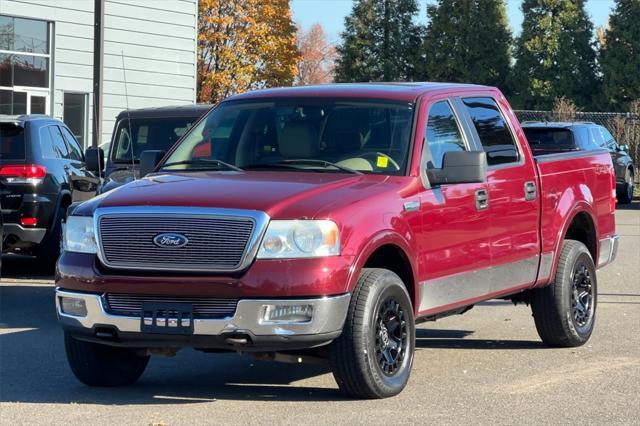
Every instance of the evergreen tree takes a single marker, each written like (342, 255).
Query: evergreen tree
(555, 55)
(467, 41)
(620, 56)
(380, 42)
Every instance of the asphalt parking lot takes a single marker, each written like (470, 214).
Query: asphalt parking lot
(487, 366)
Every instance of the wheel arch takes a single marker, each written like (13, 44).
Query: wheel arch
(388, 250)
(581, 226)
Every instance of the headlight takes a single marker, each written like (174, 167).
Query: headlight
(300, 238)
(79, 235)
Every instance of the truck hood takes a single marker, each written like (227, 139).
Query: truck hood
(279, 194)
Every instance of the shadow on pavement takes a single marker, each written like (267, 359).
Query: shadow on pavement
(33, 366)
(456, 339)
(635, 205)
(16, 267)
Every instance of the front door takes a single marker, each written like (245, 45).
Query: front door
(83, 183)
(454, 240)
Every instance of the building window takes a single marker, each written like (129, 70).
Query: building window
(74, 114)
(25, 65)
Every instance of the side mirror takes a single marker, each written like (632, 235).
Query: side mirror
(94, 159)
(623, 148)
(460, 167)
(149, 160)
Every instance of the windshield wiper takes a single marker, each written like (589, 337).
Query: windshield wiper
(291, 163)
(202, 161)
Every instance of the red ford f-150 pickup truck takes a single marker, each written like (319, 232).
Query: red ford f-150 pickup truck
(329, 221)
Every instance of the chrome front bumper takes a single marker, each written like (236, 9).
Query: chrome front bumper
(608, 250)
(329, 314)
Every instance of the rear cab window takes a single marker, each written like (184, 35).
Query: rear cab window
(493, 131)
(12, 142)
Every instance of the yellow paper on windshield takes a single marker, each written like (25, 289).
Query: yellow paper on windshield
(382, 161)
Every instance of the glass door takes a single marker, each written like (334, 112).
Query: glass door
(38, 104)
(30, 101)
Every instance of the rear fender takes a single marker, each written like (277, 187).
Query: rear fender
(562, 222)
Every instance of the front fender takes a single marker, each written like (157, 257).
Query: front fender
(380, 239)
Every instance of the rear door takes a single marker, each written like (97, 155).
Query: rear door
(513, 194)
(83, 183)
(454, 239)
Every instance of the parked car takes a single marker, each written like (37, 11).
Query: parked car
(558, 137)
(42, 172)
(329, 220)
(153, 129)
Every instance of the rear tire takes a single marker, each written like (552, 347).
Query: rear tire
(373, 356)
(102, 365)
(625, 195)
(48, 252)
(565, 311)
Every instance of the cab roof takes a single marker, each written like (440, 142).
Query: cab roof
(187, 110)
(409, 91)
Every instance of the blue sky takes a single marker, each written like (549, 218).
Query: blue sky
(331, 13)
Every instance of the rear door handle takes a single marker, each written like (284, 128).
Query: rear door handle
(482, 199)
(529, 191)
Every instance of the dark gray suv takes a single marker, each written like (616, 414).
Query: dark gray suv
(558, 137)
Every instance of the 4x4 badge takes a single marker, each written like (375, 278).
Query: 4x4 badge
(170, 240)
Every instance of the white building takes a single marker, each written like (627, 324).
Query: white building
(48, 49)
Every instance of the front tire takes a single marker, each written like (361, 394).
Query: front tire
(102, 365)
(565, 311)
(373, 356)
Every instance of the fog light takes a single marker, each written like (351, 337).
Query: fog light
(287, 313)
(73, 306)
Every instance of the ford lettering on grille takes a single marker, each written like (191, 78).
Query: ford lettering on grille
(169, 240)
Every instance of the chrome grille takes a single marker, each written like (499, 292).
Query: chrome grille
(203, 307)
(216, 242)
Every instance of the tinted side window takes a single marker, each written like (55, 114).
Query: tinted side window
(74, 149)
(596, 136)
(608, 139)
(443, 134)
(583, 140)
(493, 131)
(58, 142)
(46, 144)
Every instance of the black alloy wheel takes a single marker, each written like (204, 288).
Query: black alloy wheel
(391, 336)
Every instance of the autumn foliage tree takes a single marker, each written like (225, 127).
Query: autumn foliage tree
(317, 57)
(244, 45)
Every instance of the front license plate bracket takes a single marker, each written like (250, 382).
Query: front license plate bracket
(166, 318)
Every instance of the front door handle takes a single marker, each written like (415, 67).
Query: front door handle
(482, 199)
(529, 191)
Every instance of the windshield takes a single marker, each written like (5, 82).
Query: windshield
(11, 142)
(148, 134)
(331, 135)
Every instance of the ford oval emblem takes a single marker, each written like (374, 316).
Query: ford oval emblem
(170, 240)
